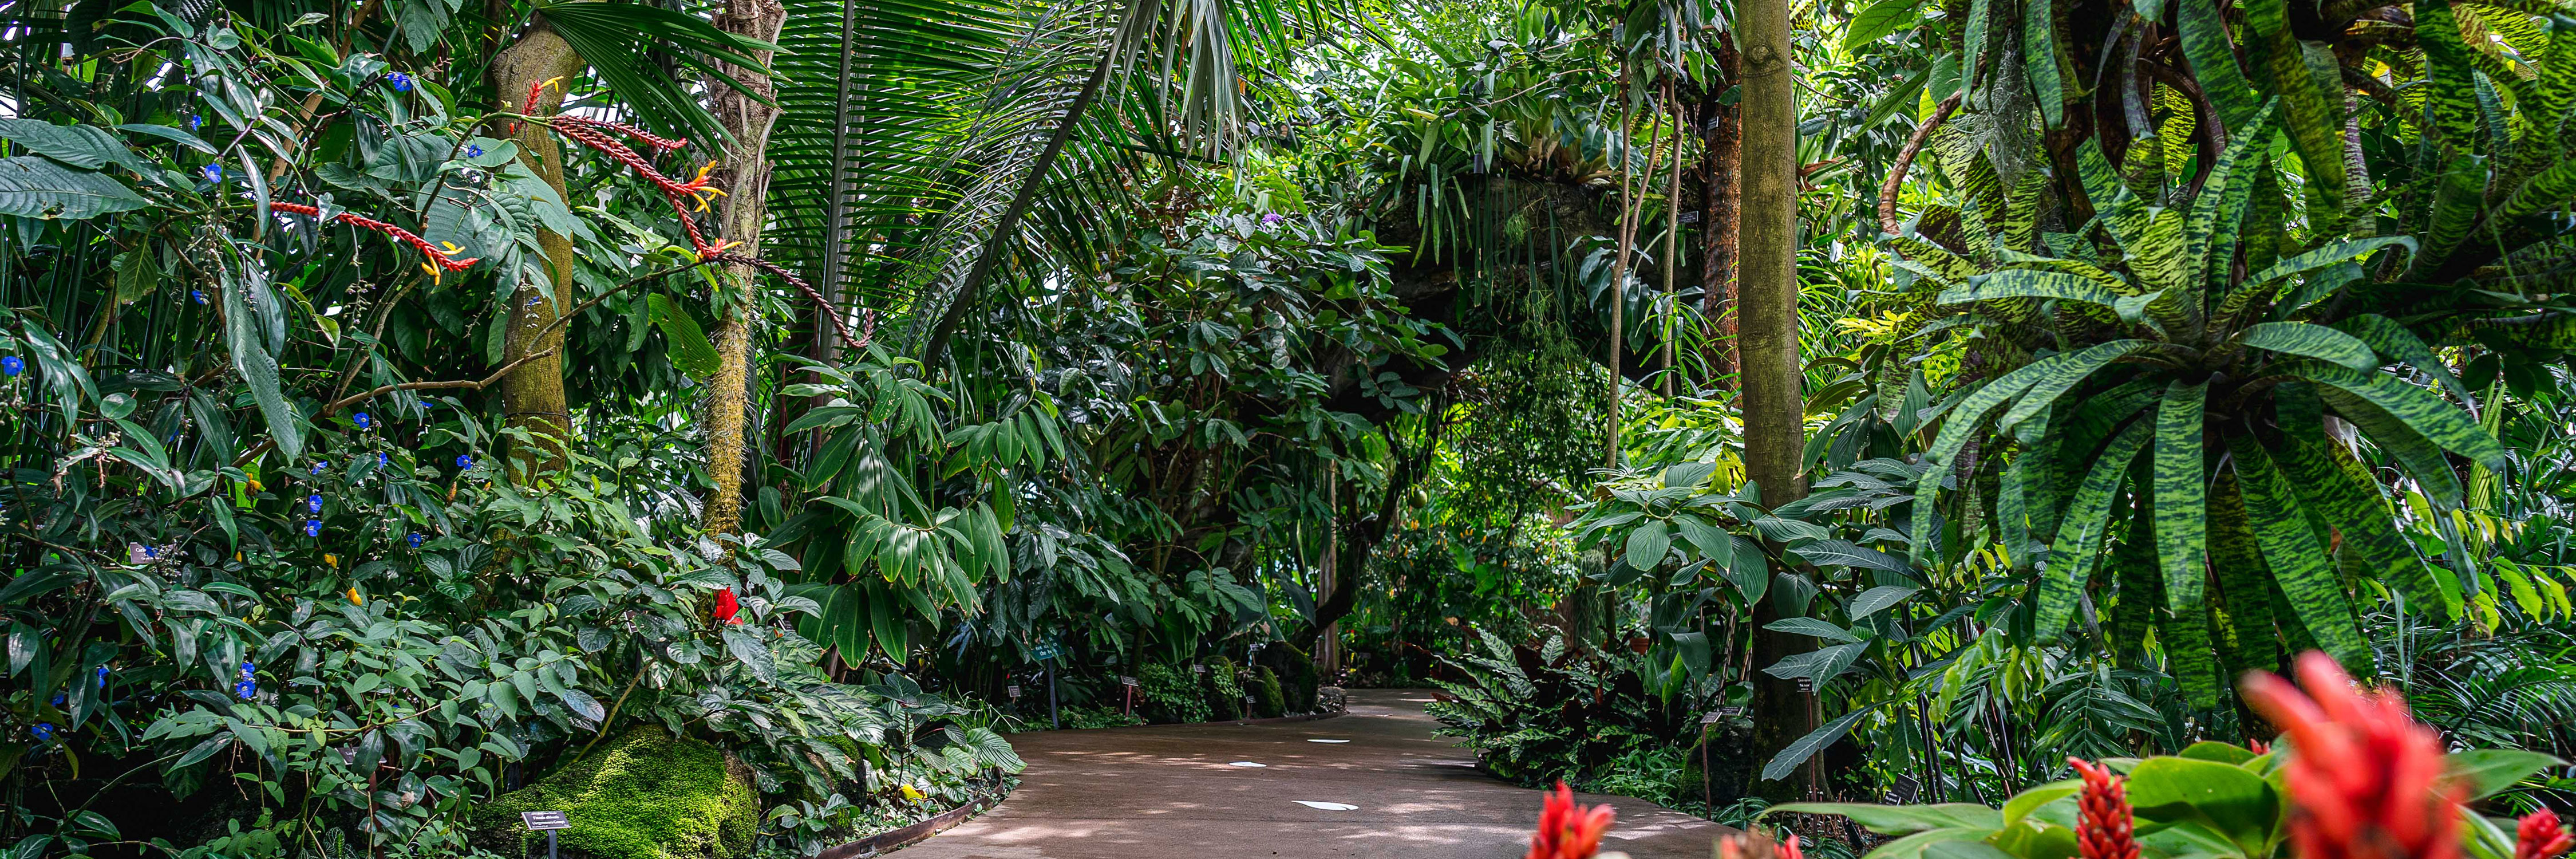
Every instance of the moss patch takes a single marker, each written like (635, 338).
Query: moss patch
(648, 795)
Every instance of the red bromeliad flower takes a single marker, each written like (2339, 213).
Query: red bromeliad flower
(439, 260)
(2366, 780)
(1567, 830)
(2104, 823)
(2541, 836)
(727, 606)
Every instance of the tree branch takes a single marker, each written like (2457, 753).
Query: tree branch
(1905, 159)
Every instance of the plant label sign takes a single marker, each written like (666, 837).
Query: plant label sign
(1014, 690)
(1124, 680)
(539, 821)
(1044, 652)
(1710, 717)
(1198, 669)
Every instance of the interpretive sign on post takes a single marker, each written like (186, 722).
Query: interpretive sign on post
(547, 822)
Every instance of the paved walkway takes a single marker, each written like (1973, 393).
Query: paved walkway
(1173, 792)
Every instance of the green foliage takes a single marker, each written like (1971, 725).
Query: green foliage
(644, 795)
(1170, 693)
(1536, 714)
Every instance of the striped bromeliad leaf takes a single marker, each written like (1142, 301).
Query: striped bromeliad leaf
(2311, 114)
(2080, 537)
(2063, 377)
(2421, 410)
(2326, 478)
(2322, 257)
(2247, 637)
(2312, 341)
(2181, 523)
(2451, 101)
(2312, 587)
(2216, 213)
(2421, 457)
(2024, 283)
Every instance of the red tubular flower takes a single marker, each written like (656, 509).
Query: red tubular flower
(1567, 830)
(2365, 779)
(2104, 824)
(441, 259)
(727, 606)
(2541, 836)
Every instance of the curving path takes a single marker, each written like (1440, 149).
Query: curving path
(1172, 792)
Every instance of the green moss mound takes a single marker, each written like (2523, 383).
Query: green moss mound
(647, 795)
(1272, 701)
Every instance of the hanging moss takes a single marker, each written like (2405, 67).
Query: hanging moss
(647, 795)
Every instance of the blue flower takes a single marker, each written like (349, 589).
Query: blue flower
(102, 677)
(362, 420)
(383, 460)
(401, 82)
(312, 527)
(321, 466)
(214, 172)
(246, 689)
(148, 552)
(194, 121)
(414, 540)
(59, 699)
(199, 295)
(473, 151)
(313, 502)
(464, 461)
(44, 732)
(13, 365)
(247, 668)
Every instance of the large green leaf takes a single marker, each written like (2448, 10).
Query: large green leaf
(2220, 209)
(2311, 100)
(1878, 20)
(690, 349)
(258, 369)
(1902, 819)
(2237, 801)
(2450, 92)
(2459, 197)
(2298, 561)
(2422, 458)
(2313, 341)
(2248, 639)
(85, 146)
(1799, 750)
(2423, 411)
(2039, 56)
(2025, 283)
(2080, 537)
(36, 187)
(2325, 476)
(2213, 60)
(2322, 257)
(2394, 342)
(2488, 772)
(2182, 533)
(2063, 377)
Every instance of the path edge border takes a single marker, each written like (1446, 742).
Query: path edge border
(897, 839)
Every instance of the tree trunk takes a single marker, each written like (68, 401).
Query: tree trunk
(1721, 212)
(1773, 396)
(745, 177)
(534, 394)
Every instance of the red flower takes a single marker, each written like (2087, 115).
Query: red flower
(1567, 830)
(2541, 837)
(727, 606)
(2365, 779)
(2105, 824)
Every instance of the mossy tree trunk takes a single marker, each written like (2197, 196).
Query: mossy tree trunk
(744, 174)
(1773, 397)
(533, 394)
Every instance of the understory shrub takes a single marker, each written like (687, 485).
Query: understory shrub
(1537, 714)
(1225, 691)
(1170, 693)
(1269, 700)
(647, 795)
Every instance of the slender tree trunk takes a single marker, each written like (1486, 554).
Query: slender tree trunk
(1773, 396)
(1721, 211)
(745, 177)
(1619, 264)
(534, 394)
(1668, 260)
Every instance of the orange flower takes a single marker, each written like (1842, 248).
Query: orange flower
(2104, 822)
(2365, 779)
(2541, 836)
(1567, 830)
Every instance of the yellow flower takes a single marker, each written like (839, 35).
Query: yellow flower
(333, 560)
(355, 598)
(914, 793)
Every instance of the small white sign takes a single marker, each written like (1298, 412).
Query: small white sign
(543, 820)
(1198, 669)
(1124, 680)
(1014, 690)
